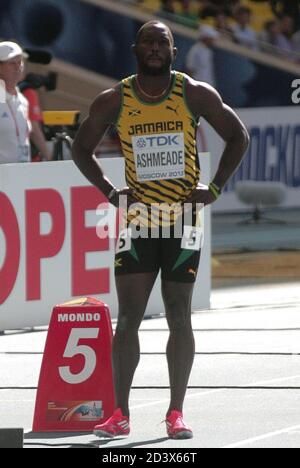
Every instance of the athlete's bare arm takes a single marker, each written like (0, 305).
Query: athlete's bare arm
(204, 101)
(103, 112)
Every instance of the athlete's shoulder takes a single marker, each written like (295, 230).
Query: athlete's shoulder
(107, 104)
(201, 95)
(109, 95)
(195, 86)
(126, 81)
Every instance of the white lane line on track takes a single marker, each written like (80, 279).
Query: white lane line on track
(210, 392)
(268, 435)
(167, 400)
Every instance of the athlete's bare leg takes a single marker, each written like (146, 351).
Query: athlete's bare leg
(181, 345)
(133, 294)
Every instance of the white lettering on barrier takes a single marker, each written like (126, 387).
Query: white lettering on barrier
(296, 93)
(79, 317)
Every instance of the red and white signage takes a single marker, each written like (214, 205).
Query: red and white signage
(75, 390)
(41, 246)
(50, 247)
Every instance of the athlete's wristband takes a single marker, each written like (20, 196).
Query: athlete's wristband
(215, 190)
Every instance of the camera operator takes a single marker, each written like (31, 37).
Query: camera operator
(15, 126)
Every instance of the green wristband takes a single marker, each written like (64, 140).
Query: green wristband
(215, 190)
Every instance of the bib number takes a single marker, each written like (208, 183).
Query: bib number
(124, 241)
(192, 238)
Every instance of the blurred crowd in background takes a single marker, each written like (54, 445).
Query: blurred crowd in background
(278, 32)
(68, 28)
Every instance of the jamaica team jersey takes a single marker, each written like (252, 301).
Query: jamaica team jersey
(159, 145)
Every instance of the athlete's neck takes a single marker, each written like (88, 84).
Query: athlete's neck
(153, 87)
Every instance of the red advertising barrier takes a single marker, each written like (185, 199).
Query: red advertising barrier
(75, 390)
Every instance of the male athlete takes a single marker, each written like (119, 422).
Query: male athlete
(156, 113)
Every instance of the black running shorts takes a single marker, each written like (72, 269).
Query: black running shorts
(176, 257)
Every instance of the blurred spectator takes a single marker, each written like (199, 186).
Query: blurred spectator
(185, 5)
(287, 7)
(211, 7)
(15, 126)
(272, 40)
(200, 58)
(296, 43)
(167, 6)
(242, 32)
(286, 24)
(221, 24)
(183, 16)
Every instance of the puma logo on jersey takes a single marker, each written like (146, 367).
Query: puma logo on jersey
(172, 109)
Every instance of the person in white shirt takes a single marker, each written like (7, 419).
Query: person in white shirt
(200, 66)
(14, 122)
(200, 58)
(242, 32)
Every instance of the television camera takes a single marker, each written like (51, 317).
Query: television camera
(59, 126)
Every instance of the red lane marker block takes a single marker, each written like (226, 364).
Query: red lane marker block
(75, 390)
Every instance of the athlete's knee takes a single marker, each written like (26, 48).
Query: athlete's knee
(177, 304)
(180, 322)
(127, 323)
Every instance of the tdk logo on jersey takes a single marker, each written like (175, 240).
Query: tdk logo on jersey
(156, 141)
(141, 143)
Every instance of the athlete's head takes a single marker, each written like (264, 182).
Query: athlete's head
(154, 48)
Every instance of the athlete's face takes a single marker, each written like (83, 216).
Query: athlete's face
(154, 50)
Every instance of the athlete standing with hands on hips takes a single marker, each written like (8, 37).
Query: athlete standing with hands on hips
(156, 113)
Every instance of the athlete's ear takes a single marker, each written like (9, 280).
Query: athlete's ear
(175, 50)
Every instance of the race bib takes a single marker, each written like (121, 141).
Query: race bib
(124, 241)
(159, 156)
(193, 238)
